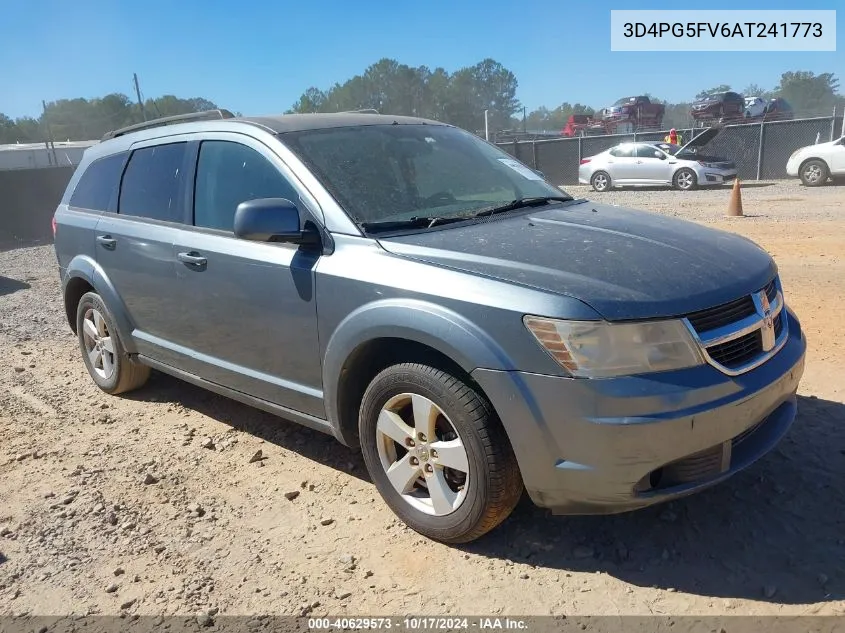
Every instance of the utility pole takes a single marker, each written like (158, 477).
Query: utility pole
(52, 144)
(486, 127)
(138, 94)
(524, 131)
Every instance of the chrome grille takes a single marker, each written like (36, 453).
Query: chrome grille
(742, 334)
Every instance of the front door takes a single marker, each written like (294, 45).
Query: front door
(837, 158)
(249, 317)
(652, 165)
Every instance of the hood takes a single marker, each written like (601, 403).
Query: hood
(625, 264)
(817, 146)
(702, 139)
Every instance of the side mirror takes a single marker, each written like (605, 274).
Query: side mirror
(539, 173)
(271, 220)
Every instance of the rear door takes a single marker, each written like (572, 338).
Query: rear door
(622, 164)
(248, 317)
(134, 241)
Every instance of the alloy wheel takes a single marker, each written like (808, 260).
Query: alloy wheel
(98, 343)
(422, 454)
(812, 173)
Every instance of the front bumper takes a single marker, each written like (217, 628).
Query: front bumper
(613, 445)
(717, 177)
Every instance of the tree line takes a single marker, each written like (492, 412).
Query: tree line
(460, 98)
(88, 119)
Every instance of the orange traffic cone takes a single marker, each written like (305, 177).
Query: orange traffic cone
(735, 204)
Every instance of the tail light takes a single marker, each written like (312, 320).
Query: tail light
(584, 161)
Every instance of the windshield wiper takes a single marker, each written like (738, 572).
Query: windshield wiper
(520, 203)
(410, 223)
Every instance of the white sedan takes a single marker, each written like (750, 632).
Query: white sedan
(814, 164)
(755, 107)
(655, 164)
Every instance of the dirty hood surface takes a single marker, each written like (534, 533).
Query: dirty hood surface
(625, 264)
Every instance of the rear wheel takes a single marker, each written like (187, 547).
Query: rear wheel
(106, 359)
(437, 453)
(685, 179)
(600, 181)
(814, 173)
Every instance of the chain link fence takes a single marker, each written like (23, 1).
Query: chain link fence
(760, 150)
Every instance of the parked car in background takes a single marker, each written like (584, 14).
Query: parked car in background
(418, 294)
(755, 107)
(814, 164)
(718, 106)
(640, 112)
(656, 164)
(778, 109)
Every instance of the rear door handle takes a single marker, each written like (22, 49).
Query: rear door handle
(192, 258)
(107, 241)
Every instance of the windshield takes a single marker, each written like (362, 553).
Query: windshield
(714, 97)
(381, 173)
(625, 101)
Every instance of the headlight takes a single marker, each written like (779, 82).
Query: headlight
(709, 165)
(596, 349)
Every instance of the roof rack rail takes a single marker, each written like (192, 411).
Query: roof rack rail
(206, 115)
(364, 111)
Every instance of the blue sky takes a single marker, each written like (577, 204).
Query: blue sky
(258, 56)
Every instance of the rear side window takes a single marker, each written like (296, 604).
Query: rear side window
(98, 184)
(623, 151)
(230, 173)
(152, 183)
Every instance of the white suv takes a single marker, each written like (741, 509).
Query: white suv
(814, 164)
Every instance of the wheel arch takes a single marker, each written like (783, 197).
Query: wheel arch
(83, 275)
(804, 161)
(391, 332)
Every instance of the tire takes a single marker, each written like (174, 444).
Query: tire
(814, 173)
(108, 364)
(685, 179)
(600, 181)
(472, 502)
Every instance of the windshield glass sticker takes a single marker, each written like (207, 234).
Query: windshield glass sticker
(521, 169)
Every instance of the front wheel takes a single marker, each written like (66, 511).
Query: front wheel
(814, 173)
(600, 181)
(685, 179)
(437, 453)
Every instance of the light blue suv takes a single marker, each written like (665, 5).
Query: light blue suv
(412, 290)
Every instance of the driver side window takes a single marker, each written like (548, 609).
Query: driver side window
(649, 151)
(229, 173)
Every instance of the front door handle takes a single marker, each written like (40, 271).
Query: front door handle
(107, 241)
(192, 258)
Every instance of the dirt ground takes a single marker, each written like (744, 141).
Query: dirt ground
(149, 504)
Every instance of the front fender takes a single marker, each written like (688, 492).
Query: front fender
(432, 325)
(86, 268)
